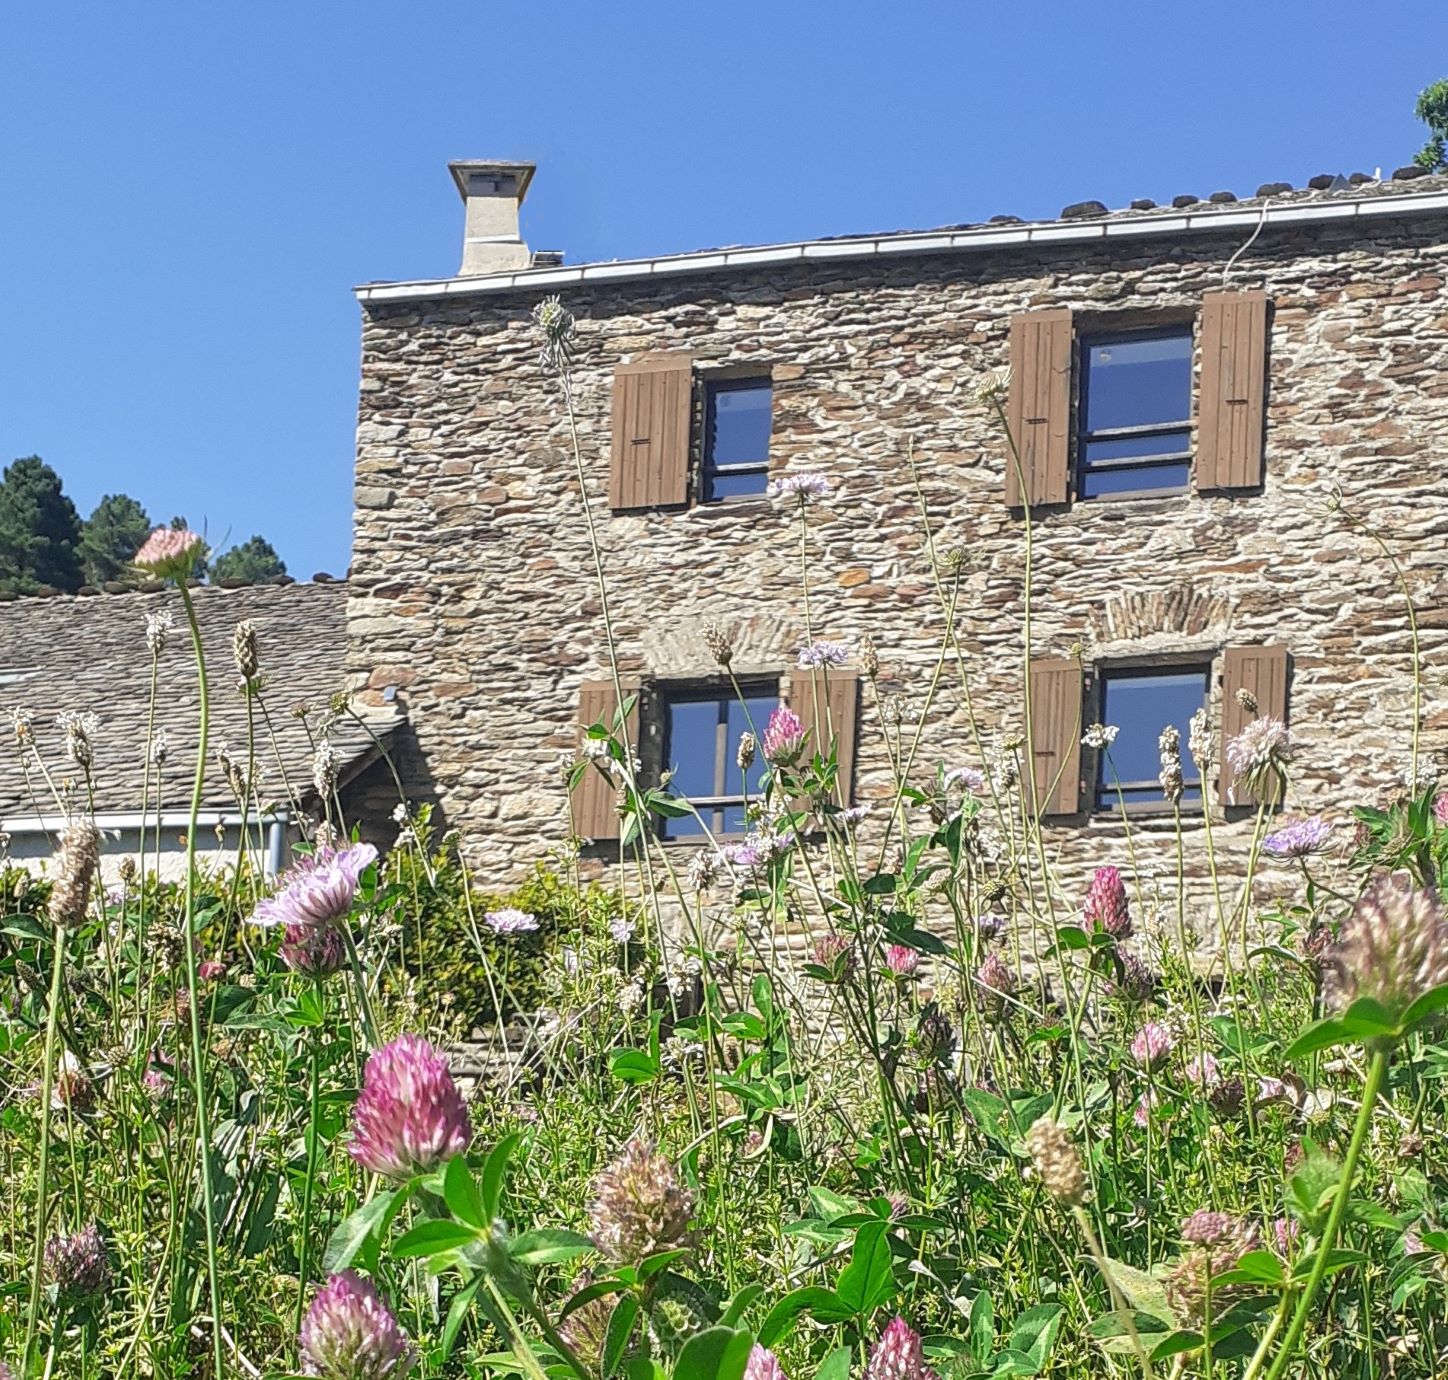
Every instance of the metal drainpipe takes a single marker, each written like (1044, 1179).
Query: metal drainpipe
(275, 841)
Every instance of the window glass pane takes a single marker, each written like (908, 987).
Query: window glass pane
(1130, 479)
(760, 708)
(1138, 381)
(686, 827)
(1140, 706)
(734, 822)
(693, 730)
(1134, 447)
(736, 427)
(732, 483)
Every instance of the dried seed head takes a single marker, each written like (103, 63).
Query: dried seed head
(718, 643)
(869, 656)
(639, 1207)
(75, 870)
(1173, 786)
(748, 746)
(79, 729)
(77, 1264)
(1058, 1162)
(1247, 700)
(325, 762)
(244, 650)
(158, 629)
(1199, 741)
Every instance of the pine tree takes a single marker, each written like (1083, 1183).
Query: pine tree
(40, 529)
(112, 535)
(1432, 110)
(254, 560)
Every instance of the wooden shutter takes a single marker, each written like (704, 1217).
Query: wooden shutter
(1231, 410)
(594, 802)
(833, 721)
(653, 407)
(1262, 672)
(1056, 689)
(1039, 410)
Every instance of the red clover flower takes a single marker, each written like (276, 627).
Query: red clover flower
(409, 1117)
(897, 1355)
(350, 1334)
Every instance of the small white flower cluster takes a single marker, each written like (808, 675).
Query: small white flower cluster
(804, 486)
(1099, 736)
(80, 730)
(158, 629)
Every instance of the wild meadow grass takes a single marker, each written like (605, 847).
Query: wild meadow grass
(971, 1122)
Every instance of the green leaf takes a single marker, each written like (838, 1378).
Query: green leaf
(632, 1066)
(461, 1193)
(1430, 1004)
(352, 1231)
(836, 1366)
(1175, 1344)
(1034, 1332)
(982, 1326)
(457, 1314)
(1324, 1034)
(824, 1304)
(740, 1303)
(548, 1245)
(596, 1290)
(1143, 1291)
(620, 1329)
(495, 1169)
(717, 1353)
(1072, 937)
(433, 1238)
(1256, 1267)
(1011, 1362)
(868, 1281)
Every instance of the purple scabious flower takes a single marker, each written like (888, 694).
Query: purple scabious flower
(821, 654)
(319, 889)
(409, 1116)
(1299, 839)
(762, 1365)
(511, 920)
(77, 1264)
(350, 1334)
(897, 1355)
(1153, 1044)
(1260, 753)
(1106, 907)
(783, 737)
(965, 778)
(803, 486)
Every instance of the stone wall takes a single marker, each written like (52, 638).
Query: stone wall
(473, 590)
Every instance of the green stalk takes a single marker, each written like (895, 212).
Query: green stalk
(1377, 1072)
(314, 1089)
(198, 1072)
(43, 1172)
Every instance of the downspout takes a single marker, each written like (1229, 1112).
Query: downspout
(275, 844)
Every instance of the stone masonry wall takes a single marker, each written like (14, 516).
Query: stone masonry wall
(473, 591)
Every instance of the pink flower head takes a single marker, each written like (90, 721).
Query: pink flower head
(1203, 1070)
(1154, 1042)
(1146, 1108)
(763, 1365)
(902, 961)
(897, 1355)
(783, 736)
(350, 1334)
(315, 950)
(318, 889)
(211, 970)
(1285, 1235)
(1106, 906)
(835, 953)
(168, 552)
(510, 920)
(77, 1264)
(1440, 807)
(409, 1116)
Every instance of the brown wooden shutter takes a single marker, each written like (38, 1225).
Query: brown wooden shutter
(1056, 689)
(1231, 410)
(834, 723)
(594, 802)
(1039, 410)
(653, 407)
(1262, 672)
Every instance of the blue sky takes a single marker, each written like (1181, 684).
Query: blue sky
(191, 190)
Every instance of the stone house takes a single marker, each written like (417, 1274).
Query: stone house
(1221, 407)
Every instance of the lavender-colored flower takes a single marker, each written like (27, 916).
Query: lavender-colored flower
(1392, 948)
(965, 778)
(1286, 1232)
(804, 486)
(820, 654)
(1216, 1243)
(351, 1334)
(317, 951)
(1299, 839)
(621, 928)
(1106, 906)
(783, 737)
(409, 1116)
(511, 920)
(763, 1365)
(169, 552)
(1146, 1108)
(77, 1264)
(1153, 1045)
(1260, 753)
(897, 1355)
(902, 961)
(640, 1208)
(318, 889)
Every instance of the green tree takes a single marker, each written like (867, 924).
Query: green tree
(39, 529)
(255, 559)
(1432, 110)
(111, 537)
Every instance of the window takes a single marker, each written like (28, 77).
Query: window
(1140, 702)
(701, 744)
(1135, 413)
(736, 438)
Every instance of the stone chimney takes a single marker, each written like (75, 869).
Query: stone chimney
(492, 191)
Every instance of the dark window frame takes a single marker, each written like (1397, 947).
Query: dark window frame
(1085, 339)
(1103, 799)
(728, 381)
(711, 808)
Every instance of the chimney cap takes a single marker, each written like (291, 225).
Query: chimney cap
(464, 168)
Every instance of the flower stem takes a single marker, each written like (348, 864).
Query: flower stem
(314, 1099)
(1377, 1072)
(1118, 1300)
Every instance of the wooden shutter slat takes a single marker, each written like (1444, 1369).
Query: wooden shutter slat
(652, 416)
(1262, 671)
(594, 802)
(1056, 688)
(835, 723)
(1232, 398)
(1039, 408)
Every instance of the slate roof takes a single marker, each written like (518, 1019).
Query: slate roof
(89, 654)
